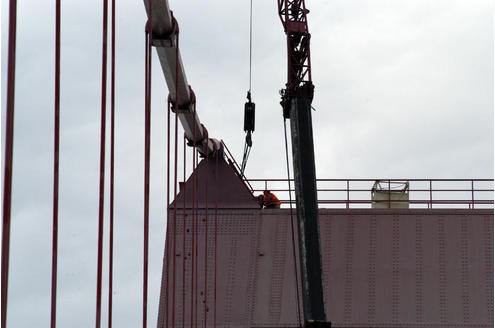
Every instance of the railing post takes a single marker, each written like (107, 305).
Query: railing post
(430, 205)
(389, 194)
(347, 203)
(472, 193)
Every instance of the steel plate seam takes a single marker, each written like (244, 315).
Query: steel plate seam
(372, 271)
(442, 271)
(348, 269)
(395, 268)
(419, 269)
(488, 236)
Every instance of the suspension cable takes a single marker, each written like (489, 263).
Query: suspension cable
(168, 227)
(205, 294)
(194, 249)
(147, 156)
(215, 246)
(9, 148)
(176, 106)
(184, 255)
(56, 147)
(112, 167)
(102, 163)
(294, 257)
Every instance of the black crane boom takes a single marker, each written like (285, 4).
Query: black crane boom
(296, 103)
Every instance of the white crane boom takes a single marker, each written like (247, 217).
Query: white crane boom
(164, 30)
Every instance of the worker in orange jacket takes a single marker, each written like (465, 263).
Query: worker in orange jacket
(268, 200)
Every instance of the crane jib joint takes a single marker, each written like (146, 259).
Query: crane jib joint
(188, 107)
(166, 40)
(201, 140)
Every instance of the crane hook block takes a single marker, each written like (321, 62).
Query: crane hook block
(249, 116)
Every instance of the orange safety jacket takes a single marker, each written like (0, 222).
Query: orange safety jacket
(271, 201)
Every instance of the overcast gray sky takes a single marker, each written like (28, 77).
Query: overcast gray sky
(404, 89)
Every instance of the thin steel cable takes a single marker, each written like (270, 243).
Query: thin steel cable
(147, 156)
(176, 105)
(112, 168)
(9, 148)
(245, 157)
(194, 222)
(167, 234)
(205, 301)
(184, 255)
(102, 163)
(294, 257)
(196, 250)
(56, 157)
(250, 41)
(216, 245)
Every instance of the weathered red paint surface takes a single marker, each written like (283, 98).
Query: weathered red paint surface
(382, 268)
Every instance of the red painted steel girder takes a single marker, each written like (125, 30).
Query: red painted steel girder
(384, 268)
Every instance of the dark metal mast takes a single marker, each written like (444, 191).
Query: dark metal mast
(296, 104)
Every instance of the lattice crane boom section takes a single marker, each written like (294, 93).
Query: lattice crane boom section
(164, 30)
(293, 16)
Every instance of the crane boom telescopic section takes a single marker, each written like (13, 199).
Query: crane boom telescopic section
(296, 103)
(164, 30)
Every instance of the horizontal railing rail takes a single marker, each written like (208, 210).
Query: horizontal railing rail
(237, 169)
(421, 193)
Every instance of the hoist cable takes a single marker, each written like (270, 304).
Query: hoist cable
(250, 42)
(294, 257)
(56, 157)
(248, 143)
(102, 163)
(112, 168)
(245, 156)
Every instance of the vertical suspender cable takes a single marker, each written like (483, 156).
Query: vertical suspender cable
(197, 251)
(194, 224)
(168, 235)
(205, 294)
(215, 246)
(196, 234)
(9, 147)
(184, 254)
(56, 144)
(294, 258)
(147, 150)
(176, 106)
(112, 167)
(102, 162)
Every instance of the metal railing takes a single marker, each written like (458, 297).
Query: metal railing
(422, 193)
(237, 169)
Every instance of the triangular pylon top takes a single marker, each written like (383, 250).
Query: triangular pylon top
(214, 183)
